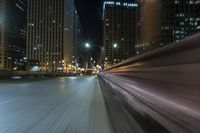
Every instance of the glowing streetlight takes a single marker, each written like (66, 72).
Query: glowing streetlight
(115, 45)
(87, 45)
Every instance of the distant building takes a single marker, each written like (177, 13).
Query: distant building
(179, 19)
(50, 33)
(12, 34)
(150, 26)
(78, 42)
(69, 30)
(120, 32)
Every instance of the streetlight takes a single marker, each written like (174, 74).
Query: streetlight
(115, 45)
(87, 45)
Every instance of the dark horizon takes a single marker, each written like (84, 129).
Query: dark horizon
(90, 17)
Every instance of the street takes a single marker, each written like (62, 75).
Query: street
(70, 105)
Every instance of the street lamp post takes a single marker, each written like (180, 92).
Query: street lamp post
(87, 46)
(115, 46)
(9, 63)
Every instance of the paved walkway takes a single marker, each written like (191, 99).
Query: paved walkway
(64, 105)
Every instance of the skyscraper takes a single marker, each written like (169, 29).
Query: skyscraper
(120, 30)
(69, 31)
(78, 41)
(50, 33)
(179, 19)
(12, 34)
(150, 26)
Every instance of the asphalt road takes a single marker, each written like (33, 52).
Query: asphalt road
(63, 105)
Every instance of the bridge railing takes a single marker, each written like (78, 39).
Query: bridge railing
(183, 47)
(166, 82)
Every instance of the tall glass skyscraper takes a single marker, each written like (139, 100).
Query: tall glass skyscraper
(120, 30)
(50, 33)
(12, 34)
(179, 19)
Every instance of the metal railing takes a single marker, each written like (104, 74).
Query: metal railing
(163, 84)
(189, 44)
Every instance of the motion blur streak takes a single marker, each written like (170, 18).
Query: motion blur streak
(62, 105)
(163, 84)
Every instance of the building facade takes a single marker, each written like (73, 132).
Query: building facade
(120, 31)
(150, 26)
(50, 33)
(78, 41)
(69, 31)
(179, 19)
(12, 34)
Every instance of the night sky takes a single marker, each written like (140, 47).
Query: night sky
(90, 15)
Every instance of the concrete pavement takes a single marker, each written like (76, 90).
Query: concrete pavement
(63, 105)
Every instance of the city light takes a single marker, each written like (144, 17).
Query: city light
(65, 69)
(87, 45)
(115, 45)
(120, 4)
